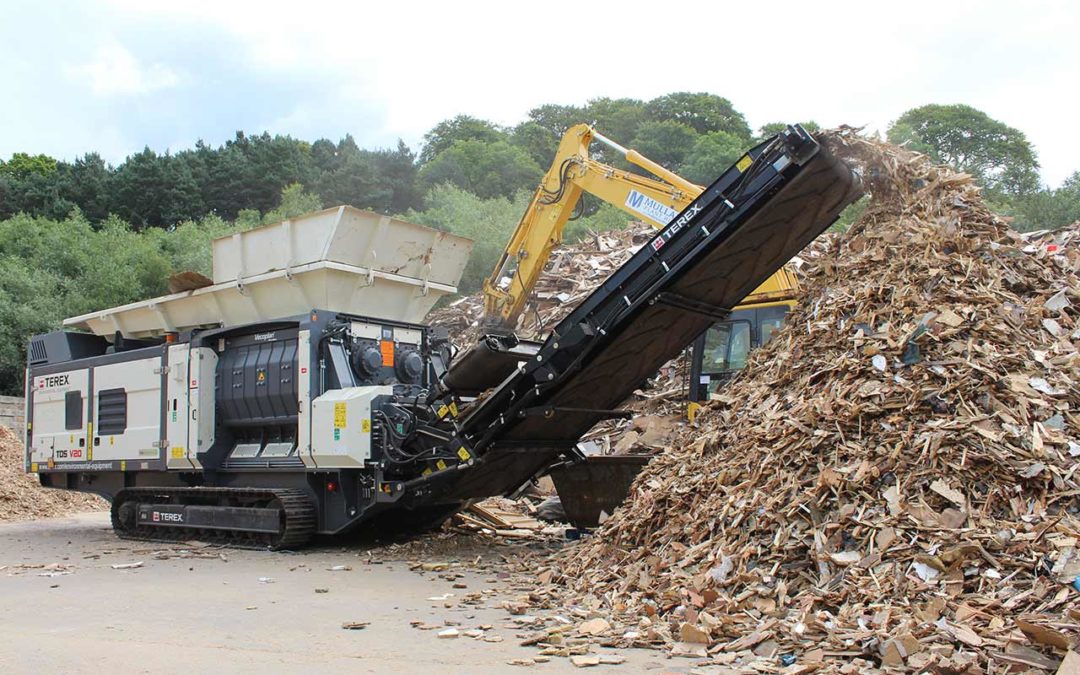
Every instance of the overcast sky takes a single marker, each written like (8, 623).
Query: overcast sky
(114, 76)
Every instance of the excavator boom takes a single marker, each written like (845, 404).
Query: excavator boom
(655, 200)
(541, 227)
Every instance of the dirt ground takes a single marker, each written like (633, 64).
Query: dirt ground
(64, 608)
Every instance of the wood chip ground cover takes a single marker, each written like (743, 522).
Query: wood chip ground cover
(22, 497)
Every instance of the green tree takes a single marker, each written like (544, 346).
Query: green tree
(30, 303)
(32, 184)
(460, 128)
(22, 165)
(711, 156)
(350, 177)
(295, 201)
(617, 118)
(557, 118)
(998, 155)
(87, 183)
(537, 141)
(772, 128)
(1049, 209)
(667, 143)
(486, 169)
(154, 190)
(187, 245)
(488, 222)
(397, 173)
(702, 112)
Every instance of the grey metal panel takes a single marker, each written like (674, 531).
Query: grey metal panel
(94, 361)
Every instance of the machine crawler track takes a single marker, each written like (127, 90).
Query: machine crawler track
(257, 518)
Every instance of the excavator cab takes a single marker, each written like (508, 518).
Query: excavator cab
(723, 350)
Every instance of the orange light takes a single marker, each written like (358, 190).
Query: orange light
(386, 348)
(170, 338)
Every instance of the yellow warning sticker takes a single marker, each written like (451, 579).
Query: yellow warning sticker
(177, 452)
(123, 465)
(339, 415)
(453, 408)
(426, 472)
(33, 467)
(441, 412)
(440, 465)
(744, 163)
(365, 426)
(463, 454)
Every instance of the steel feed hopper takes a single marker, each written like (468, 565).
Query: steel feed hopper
(341, 259)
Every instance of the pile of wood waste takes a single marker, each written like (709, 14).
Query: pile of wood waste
(661, 409)
(502, 517)
(22, 497)
(894, 480)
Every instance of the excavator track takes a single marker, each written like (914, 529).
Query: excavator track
(253, 518)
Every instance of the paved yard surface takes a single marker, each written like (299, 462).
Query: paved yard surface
(64, 608)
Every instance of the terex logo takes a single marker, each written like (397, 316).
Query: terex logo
(674, 228)
(51, 381)
(159, 517)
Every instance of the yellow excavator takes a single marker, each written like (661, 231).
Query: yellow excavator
(720, 351)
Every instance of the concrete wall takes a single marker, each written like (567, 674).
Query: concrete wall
(12, 412)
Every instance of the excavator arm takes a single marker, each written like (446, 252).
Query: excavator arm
(654, 200)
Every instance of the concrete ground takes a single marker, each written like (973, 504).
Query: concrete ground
(64, 608)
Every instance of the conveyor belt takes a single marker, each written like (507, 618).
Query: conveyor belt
(742, 229)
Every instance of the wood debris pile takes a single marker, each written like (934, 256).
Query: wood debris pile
(503, 518)
(894, 480)
(22, 497)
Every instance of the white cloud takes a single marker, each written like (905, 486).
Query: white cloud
(846, 62)
(115, 70)
(388, 70)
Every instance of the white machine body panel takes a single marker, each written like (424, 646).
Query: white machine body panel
(177, 407)
(303, 393)
(202, 370)
(61, 417)
(341, 426)
(127, 407)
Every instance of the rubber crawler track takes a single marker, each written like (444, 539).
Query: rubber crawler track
(296, 506)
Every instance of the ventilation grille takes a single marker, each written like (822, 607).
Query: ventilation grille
(38, 354)
(293, 462)
(112, 412)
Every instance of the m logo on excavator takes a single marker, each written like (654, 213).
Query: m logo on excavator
(650, 208)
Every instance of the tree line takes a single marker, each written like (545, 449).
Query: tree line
(694, 134)
(84, 235)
